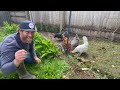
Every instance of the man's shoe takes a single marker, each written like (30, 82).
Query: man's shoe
(27, 76)
(23, 73)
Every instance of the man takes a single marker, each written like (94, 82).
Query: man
(17, 49)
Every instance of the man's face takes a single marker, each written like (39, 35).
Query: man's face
(26, 36)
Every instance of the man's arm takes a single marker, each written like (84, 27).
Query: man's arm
(34, 53)
(32, 49)
(7, 64)
(8, 68)
(0, 49)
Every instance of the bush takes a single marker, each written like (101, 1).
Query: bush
(45, 47)
(9, 29)
(2, 36)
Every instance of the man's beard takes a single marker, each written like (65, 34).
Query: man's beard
(29, 40)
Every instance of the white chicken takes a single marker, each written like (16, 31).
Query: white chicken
(75, 41)
(83, 47)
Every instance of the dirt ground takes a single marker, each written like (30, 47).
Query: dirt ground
(51, 36)
(75, 71)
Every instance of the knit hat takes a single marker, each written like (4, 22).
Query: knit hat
(27, 25)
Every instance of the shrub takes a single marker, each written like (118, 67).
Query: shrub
(9, 29)
(45, 47)
(2, 36)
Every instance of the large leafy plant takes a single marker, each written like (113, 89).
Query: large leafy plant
(44, 47)
(9, 28)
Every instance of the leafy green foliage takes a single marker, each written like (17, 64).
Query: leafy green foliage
(9, 29)
(45, 47)
(2, 36)
(50, 69)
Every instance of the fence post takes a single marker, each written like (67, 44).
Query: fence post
(62, 19)
(27, 15)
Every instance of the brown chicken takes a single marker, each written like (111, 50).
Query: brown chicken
(67, 43)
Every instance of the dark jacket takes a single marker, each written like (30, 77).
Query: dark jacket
(9, 46)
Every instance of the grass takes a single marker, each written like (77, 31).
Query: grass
(104, 57)
(106, 54)
(50, 69)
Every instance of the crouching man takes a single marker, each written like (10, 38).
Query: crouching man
(17, 49)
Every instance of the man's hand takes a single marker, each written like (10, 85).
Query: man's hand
(20, 56)
(37, 59)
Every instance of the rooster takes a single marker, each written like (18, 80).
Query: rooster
(75, 41)
(67, 43)
(82, 48)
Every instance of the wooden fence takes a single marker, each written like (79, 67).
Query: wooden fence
(18, 16)
(104, 24)
(97, 19)
(4, 16)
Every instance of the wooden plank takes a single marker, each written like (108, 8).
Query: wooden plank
(17, 20)
(18, 14)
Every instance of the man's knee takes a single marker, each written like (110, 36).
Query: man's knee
(29, 61)
(0, 62)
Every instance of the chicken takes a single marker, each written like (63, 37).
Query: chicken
(82, 48)
(60, 35)
(67, 43)
(75, 41)
(60, 47)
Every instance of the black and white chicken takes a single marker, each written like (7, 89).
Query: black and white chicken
(75, 41)
(61, 48)
(60, 35)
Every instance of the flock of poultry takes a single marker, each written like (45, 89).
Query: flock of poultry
(74, 45)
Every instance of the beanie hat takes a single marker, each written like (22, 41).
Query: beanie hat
(27, 25)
